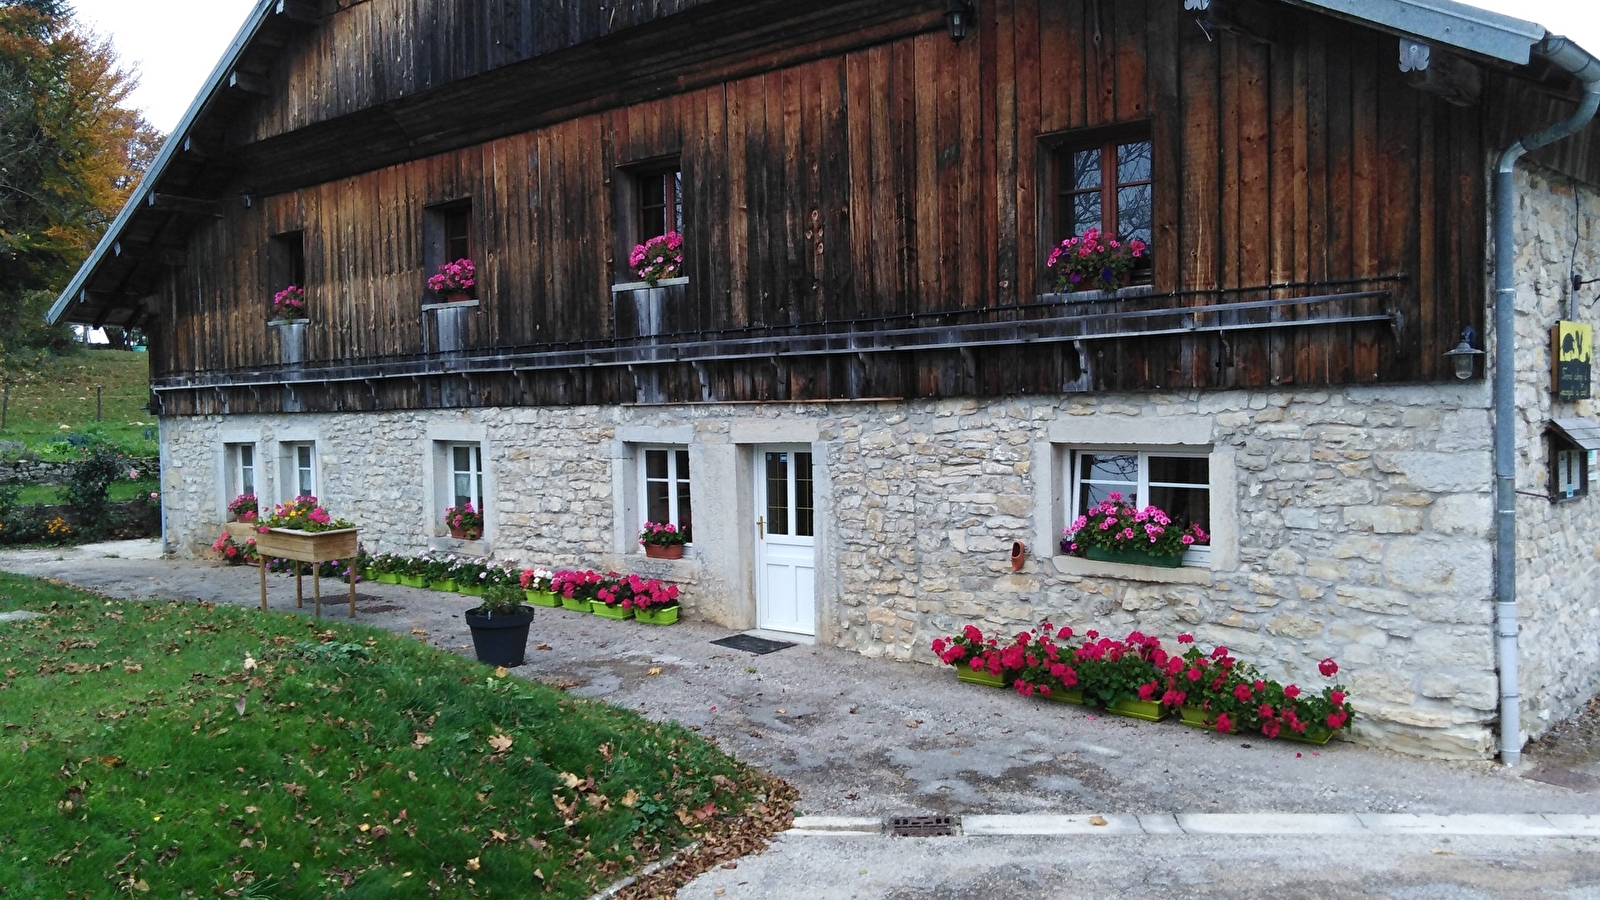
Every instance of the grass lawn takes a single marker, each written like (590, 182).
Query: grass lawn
(185, 750)
(62, 393)
(50, 494)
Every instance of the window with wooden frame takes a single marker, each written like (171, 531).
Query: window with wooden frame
(1176, 481)
(446, 237)
(659, 193)
(664, 488)
(286, 260)
(1105, 180)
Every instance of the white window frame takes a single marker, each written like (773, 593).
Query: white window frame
(643, 480)
(1196, 556)
(292, 469)
(474, 472)
(234, 453)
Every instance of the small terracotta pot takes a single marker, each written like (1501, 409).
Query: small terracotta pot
(457, 296)
(664, 551)
(465, 534)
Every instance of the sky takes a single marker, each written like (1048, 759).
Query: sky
(174, 44)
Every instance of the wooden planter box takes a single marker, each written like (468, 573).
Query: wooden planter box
(242, 531)
(308, 547)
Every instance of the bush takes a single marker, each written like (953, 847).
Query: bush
(89, 485)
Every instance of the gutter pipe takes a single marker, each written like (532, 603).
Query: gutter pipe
(1568, 56)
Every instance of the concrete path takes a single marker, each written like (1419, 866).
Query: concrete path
(868, 738)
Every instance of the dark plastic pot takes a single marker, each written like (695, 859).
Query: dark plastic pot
(500, 640)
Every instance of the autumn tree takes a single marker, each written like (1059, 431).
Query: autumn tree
(71, 151)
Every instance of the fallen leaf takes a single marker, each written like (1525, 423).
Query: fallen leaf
(418, 631)
(500, 672)
(653, 670)
(133, 669)
(472, 864)
(629, 799)
(1097, 820)
(500, 743)
(542, 647)
(571, 780)
(497, 836)
(538, 873)
(783, 712)
(238, 705)
(421, 740)
(249, 663)
(916, 724)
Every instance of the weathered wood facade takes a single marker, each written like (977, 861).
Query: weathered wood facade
(866, 208)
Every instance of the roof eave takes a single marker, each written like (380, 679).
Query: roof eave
(1465, 27)
(158, 167)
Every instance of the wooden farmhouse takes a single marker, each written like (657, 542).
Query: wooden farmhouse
(866, 386)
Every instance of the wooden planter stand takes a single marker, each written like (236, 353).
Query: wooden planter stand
(308, 547)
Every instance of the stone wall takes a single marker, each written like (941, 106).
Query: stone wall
(1350, 523)
(1558, 544)
(34, 471)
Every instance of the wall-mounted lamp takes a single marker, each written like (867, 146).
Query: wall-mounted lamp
(1465, 357)
(958, 15)
(248, 197)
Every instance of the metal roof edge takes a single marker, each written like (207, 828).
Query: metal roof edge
(158, 166)
(1583, 432)
(1447, 22)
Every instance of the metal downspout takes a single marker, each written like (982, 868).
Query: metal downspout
(1572, 58)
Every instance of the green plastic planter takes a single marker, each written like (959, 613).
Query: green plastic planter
(1148, 711)
(1195, 717)
(388, 578)
(1133, 558)
(965, 673)
(609, 612)
(1315, 738)
(416, 581)
(448, 585)
(542, 598)
(575, 604)
(470, 590)
(1073, 695)
(667, 615)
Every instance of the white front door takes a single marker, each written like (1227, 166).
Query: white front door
(786, 544)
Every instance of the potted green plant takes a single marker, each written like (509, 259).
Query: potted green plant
(655, 603)
(1094, 261)
(289, 304)
(385, 568)
(500, 626)
(576, 589)
(536, 587)
(658, 258)
(244, 516)
(469, 576)
(1115, 531)
(663, 540)
(412, 571)
(439, 571)
(976, 658)
(465, 522)
(613, 599)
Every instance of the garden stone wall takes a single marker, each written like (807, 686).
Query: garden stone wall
(1359, 527)
(1558, 573)
(33, 471)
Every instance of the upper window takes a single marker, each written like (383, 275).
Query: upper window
(664, 488)
(466, 475)
(1105, 184)
(660, 195)
(286, 261)
(1178, 482)
(446, 236)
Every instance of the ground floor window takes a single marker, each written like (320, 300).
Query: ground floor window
(241, 462)
(1177, 481)
(466, 475)
(300, 461)
(664, 494)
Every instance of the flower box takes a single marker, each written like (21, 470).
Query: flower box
(1132, 557)
(416, 581)
(664, 551)
(242, 530)
(1316, 738)
(1195, 717)
(965, 673)
(1149, 711)
(387, 578)
(664, 616)
(609, 612)
(543, 598)
(307, 546)
(470, 590)
(575, 604)
(448, 585)
(1074, 697)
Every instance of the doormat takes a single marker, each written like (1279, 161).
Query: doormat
(752, 644)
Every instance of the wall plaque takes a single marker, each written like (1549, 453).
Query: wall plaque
(1571, 352)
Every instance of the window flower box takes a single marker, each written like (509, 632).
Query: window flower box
(665, 616)
(599, 608)
(1132, 557)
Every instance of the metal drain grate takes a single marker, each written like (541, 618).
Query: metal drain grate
(922, 826)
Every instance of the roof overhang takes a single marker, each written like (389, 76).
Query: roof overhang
(1583, 432)
(1444, 22)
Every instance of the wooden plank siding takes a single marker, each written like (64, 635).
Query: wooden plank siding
(908, 178)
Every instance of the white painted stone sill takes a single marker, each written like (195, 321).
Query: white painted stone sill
(283, 323)
(1077, 565)
(645, 285)
(461, 548)
(459, 304)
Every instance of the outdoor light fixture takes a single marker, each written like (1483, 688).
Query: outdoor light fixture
(959, 16)
(1465, 357)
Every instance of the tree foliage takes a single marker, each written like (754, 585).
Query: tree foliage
(71, 152)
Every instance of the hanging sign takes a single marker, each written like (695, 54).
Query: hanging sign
(1571, 352)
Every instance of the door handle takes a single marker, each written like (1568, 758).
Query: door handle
(762, 522)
